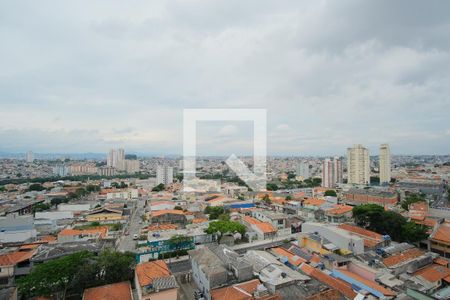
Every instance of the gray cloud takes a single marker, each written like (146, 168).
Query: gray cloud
(333, 73)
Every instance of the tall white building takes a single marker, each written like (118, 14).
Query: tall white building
(132, 166)
(303, 169)
(116, 159)
(331, 172)
(164, 175)
(385, 163)
(30, 157)
(61, 170)
(358, 165)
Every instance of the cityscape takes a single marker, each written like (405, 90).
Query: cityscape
(223, 150)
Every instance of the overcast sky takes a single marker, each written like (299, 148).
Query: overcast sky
(85, 76)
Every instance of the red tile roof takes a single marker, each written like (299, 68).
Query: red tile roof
(361, 231)
(167, 211)
(162, 227)
(115, 291)
(263, 226)
(442, 234)
(340, 209)
(406, 255)
(102, 231)
(292, 258)
(314, 202)
(368, 283)
(149, 271)
(14, 258)
(433, 273)
(342, 287)
(240, 291)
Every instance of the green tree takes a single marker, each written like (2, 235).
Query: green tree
(75, 272)
(179, 242)
(271, 187)
(178, 207)
(41, 207)
(331, 193)
(36, 187)
(223, 227)
(375, 218)
(288, 198)
(160, 187)
(54, 277)
(410, 199)
(214, 212)
(413, 232)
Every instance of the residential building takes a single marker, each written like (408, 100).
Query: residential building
(439, 240)
(358, 165)
(249, 290)
(61, 170)
(132, 166)
(374, 196)
(76, 235)
(339, 213)
(263, 230)
(154, 281)
(14, 264)
(30, 157)
(345, 289)
(116, 159)
(235, 263)
(303, 170)
(338, 237)
(164, 175)
(275, 275)
(105, 214)
(385, 164)
(372, 240)
(120, 290)
(208, 271)
(106, 171)
(173, 216)
(331, 172)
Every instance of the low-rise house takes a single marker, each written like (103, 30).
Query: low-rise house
(119, 291)
(14, 264)
(408, 261)
(264, 230)
(272, 273)
(77, 235)
(361, 283)
(278, 220)
(208, 271)
(363, 196)
(249, 290)
(172, 216)
(154, 281)
(439, 240)
(339, 213)
(162, 205)
(105, 214)
(435, 275)
(372, 240)
(234, 262)
(344, 288)
(339, 237)
(287, 257)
